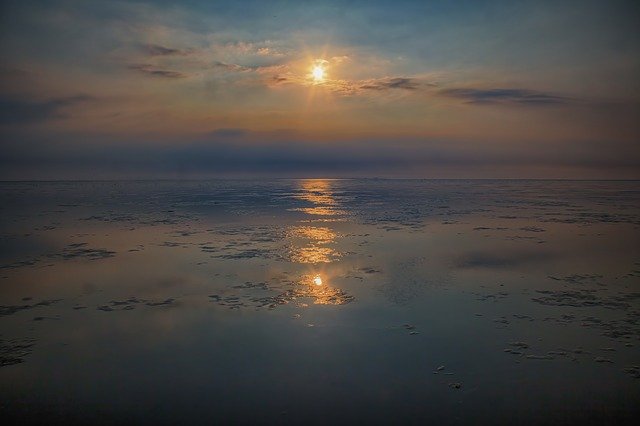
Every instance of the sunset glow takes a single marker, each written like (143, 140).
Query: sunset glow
(414, 89)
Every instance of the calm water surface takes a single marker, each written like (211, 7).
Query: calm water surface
(320, 302)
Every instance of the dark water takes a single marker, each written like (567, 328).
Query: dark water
(320, 302)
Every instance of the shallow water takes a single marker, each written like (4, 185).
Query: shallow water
(320, 301)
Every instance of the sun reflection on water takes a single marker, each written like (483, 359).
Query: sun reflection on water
(319, 234)
(311, 244)
(319, 193)
(313, 254)
(317, 288)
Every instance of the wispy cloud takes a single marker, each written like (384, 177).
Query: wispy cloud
(157, 50)
(521, 97)
(350, 87)
(230, 67)
(391, 83)
(156, 72)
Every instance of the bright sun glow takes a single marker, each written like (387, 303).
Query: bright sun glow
(318, 73)
(317, 280)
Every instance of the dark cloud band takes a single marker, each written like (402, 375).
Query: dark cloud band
(522, 97)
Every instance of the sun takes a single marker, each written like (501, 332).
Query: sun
(317, 73)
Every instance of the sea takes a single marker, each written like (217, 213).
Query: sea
(320, 301)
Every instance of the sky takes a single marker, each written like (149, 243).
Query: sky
(421, 89)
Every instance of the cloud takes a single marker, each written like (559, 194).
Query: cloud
(231, 67)
(265, 48)
(349, 87)
(21, 111)
(521, 97)
(358, 87)
(156, 72)
(279, 79)
(261, 69)
(157, 50)
(391, 83)
(339, 59)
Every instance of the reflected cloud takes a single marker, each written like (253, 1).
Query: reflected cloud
(501, 258)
